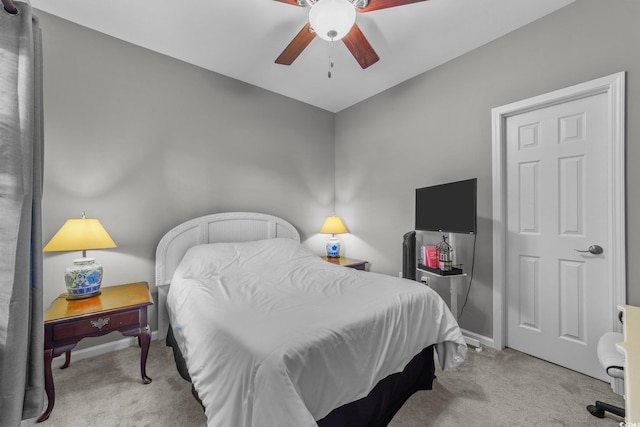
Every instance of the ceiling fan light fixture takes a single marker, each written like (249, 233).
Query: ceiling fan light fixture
(332, 19)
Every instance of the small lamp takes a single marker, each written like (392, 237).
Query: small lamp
(333, 225)
(84, 277)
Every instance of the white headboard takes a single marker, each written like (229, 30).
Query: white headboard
(222, 227)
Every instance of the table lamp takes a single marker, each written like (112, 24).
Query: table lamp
(333, 225)
(84, 277)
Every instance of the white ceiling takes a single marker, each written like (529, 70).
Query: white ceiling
(242, 38)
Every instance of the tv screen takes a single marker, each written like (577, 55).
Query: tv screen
(447, 207)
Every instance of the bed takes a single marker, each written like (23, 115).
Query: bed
(270, 334)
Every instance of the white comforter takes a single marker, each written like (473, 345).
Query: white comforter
(275, 336)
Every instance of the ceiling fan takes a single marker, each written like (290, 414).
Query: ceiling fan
(334, 20)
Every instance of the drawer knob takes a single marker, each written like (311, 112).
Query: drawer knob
(100, 323)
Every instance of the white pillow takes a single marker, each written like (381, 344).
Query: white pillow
(215, 259)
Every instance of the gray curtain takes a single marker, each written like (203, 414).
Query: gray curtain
(21, 156)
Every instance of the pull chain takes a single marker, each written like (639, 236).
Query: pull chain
(331, 34)
(330, 59)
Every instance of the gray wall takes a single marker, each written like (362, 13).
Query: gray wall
(437, 128)
(144, 142)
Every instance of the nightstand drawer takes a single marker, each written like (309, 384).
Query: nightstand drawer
(88, 326)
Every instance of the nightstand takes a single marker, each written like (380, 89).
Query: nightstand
(347, 262)
(120, 308)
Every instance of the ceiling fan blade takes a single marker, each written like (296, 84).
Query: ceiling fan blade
(385, 4)
(293, 2)
(297, 45)
(360, 48)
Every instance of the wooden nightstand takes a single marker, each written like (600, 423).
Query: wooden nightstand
(347, 262)
(120, 308)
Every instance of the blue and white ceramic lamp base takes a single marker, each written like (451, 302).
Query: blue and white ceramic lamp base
(83, 278)
(333, 248)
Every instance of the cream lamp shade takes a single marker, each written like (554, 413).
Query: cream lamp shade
(80, 235)
(333, 225)
(84, 278)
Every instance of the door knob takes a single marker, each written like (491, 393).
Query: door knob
(593, 249)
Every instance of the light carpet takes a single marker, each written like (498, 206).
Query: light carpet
(491, 388)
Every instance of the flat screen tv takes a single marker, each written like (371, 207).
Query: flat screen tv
(447, 207)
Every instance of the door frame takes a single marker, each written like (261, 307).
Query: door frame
(614, 86)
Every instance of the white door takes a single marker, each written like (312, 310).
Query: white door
(557, 204)
(558, 294)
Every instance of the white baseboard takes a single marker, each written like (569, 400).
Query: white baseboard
(476, 340)
(100, 349)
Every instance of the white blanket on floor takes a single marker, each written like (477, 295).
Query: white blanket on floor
(275, 336)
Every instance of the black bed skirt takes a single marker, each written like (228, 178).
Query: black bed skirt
(380, 405)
